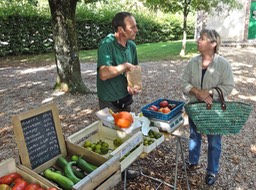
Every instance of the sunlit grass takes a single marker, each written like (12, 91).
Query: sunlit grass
(160, 51)
(151, 51)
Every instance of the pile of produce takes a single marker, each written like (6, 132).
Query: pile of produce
(67, 174)
(101, 147)
(163, 107)
(14, 181)
(122, 119)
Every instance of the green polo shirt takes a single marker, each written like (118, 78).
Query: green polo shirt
(110, 52)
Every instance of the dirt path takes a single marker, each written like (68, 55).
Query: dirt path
(24, 87)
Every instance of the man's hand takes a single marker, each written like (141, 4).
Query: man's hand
(133, 90)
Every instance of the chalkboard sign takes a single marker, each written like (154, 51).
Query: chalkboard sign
(41, 138)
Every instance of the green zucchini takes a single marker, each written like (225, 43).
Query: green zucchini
(61, 180)
(62, 162)
(85, 166)
(69, 172)
(78, 173)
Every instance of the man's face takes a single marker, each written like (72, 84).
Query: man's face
(131, 28)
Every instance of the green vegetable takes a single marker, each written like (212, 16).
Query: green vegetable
(85, 166)
(63, 181)
(69, 172)
(78, 174)
(62, 162)
(74, 157)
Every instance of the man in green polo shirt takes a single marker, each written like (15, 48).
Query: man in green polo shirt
(117, 55)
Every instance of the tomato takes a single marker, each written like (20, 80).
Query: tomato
(40, 188)
(20, 184)
(166, 110)
(9, 178)
(164, 103)
(33, 186)
(5, 187)
(153, 108)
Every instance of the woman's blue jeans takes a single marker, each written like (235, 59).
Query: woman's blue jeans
(214, 149)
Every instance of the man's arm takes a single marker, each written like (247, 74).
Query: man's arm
(107, 72)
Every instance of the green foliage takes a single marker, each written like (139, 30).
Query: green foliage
(26, 28)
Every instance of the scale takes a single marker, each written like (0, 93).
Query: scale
(170, 125)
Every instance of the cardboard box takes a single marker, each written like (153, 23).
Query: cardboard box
(96, 131)
(40, 142)
(9, 166)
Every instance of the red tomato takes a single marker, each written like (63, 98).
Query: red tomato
(9, 178)
(33, 186)
(40, 188)
(164, 103)
(20, 184)
(153, 108)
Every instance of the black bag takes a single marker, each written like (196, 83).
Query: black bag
(124, 102)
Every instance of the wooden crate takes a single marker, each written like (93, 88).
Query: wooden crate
(9, 166)
(156, 143)
(47, 117)
(97, 131)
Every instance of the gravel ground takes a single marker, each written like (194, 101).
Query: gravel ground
(24, 87)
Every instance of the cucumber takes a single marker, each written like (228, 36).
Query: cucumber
(62, 162)
(69, 172)
(78, 174)
(85, 166)
(63, 181)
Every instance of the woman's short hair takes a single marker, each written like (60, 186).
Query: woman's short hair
(213, 36)
(118, 20)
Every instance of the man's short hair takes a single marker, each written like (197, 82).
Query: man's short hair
(118, 20)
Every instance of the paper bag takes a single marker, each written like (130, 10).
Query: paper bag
(134, 78)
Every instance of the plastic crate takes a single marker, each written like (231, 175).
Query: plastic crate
(161, 116)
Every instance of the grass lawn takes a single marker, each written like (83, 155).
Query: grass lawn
(160, 51)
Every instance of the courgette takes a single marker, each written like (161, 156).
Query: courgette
(62, 162)
(69, 172)
(61, 180)
(85, 166)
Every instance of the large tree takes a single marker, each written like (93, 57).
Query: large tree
(69, 77)
(187, 6)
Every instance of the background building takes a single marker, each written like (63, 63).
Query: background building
(237, 27)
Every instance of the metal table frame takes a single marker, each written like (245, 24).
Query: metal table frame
(179, 150)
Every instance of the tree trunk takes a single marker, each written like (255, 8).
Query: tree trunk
(69, 77)
(184, 40)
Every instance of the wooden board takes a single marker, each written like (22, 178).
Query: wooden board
(39, 136)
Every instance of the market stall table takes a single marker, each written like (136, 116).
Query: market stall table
(176, 124)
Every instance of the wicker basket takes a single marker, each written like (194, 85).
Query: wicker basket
(220, 118)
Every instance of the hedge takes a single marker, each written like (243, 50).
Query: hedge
(32, 33)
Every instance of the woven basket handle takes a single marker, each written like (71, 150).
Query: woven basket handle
(221, 97)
